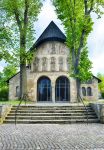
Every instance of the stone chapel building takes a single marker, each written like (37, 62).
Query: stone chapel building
(48, 78)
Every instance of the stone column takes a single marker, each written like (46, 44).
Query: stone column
(73, 90)
(48, 64)
(40, 64)
(35, 91)
(53, 91)
(57, 64)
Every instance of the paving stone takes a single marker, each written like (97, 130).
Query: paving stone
(52, 137)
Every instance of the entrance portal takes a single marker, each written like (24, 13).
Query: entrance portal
(62, 92)
(44, 89)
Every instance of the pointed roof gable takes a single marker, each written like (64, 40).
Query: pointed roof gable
(51, 33)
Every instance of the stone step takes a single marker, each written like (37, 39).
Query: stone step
(50, 111)
(56, 108)
(52, 121)
(51, 114)
(51, 106)
(49, 117)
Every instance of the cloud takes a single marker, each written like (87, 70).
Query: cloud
(96, 45)
(1, 68)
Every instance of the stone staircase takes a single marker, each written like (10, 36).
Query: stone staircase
(51, 114)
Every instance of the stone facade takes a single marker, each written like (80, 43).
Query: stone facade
(93, 86)
(50, 60)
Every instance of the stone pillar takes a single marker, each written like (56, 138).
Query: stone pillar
(48, 64)
(73, 91)
(53, 91)
(35, 91)
(57, 64)
(65, 64)
(102, 113)
(40, 64)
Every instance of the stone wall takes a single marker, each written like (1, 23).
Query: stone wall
(99, 110)
(4, 110)
(94, 89)
(32, 85)
(42, 65)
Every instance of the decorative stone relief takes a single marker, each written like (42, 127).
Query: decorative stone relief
(53, 61)
(53, 50)
(36, 64)
(68, 64)
(60, 64)
(62, 49)
(44, 64)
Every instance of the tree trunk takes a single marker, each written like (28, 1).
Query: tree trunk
(23, 80)
(23, 70)
(78, 89)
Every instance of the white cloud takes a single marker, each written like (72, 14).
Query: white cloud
(98, 63)
(96, 45)
(1, 68)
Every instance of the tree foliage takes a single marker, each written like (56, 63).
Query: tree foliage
(7, 73)
(101, 84)
(84, 66)
(76, 18)
(17, 19)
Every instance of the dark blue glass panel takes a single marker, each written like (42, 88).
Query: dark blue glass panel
(62, 92)
(44, 89)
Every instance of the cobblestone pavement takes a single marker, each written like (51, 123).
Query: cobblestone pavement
(52, 137)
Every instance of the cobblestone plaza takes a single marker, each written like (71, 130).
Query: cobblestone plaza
(52, 137)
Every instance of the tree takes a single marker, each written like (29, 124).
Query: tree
(7, 73)
(76, 18)
(101, 84)
(17, 20)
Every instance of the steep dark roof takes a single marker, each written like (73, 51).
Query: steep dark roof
(97, 79)
(51, 33)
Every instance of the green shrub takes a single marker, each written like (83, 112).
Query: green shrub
(102, 95)
(4, 94)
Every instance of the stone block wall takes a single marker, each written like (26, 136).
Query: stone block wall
(94, 89)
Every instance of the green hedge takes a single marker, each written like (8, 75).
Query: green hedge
(4, 94)
(102, 95)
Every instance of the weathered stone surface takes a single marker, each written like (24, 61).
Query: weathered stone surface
(99, 109)
(44, 52)
(4, 110)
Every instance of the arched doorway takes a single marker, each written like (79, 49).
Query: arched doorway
(44, 89)
(62, 89)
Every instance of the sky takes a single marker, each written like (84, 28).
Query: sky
(95, 40)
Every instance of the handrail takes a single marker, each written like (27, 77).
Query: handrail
(84, 106)
(22, 99)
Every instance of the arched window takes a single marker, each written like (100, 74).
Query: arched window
(60, 64)
(89, 91)
(62, 91)
(36, 64)
(17, 91)
(44, 64)
(44, 89)
(53, 60)
(84, 91)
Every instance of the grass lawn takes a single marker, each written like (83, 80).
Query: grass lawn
(99, 101)
(14, 102)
